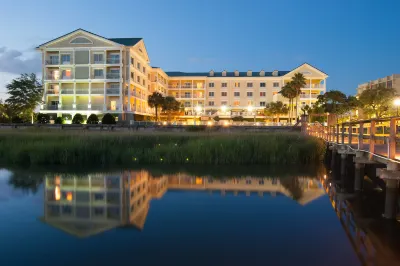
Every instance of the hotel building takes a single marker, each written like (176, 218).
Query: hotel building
(392, 81)
(90, 74)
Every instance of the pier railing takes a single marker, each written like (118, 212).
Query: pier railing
(376, 136)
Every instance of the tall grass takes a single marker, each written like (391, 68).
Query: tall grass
(95, 148)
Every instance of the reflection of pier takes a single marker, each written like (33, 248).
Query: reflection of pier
(91, 204)
(368, 245)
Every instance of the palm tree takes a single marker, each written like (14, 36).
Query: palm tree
(298, 81)
(289, 92)
(170, 105)
(155, 100)
(276, 109)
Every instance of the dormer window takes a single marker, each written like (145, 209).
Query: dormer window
(262, 73)
(275, 73)
(236, 73)
(249, 73)
(81, 40)
(212, 73)
(224, 73)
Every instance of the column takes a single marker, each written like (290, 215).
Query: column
(90, 96)
(359, 176)
(59, 96)
(105, 97)
(343, 158)
(120, 82)
(361, 136)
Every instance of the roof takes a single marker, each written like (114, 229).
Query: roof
(123, 41)
(126, 41)
(219, 74)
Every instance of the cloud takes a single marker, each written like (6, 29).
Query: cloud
(17, 62)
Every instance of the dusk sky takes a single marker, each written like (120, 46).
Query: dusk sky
(353, 41)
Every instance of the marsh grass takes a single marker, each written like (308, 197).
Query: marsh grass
(49, 147)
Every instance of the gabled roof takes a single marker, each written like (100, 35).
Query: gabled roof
(126, 41)
(307, 64)
(219, 74)
(123, 41)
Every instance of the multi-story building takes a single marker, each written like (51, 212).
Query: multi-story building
(392, 81)
(87, 73)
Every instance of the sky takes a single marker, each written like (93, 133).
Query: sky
(353, 41)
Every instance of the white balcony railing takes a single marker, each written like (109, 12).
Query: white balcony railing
(97, 91)
(112, 90)
(82, 107)
(53, 91)
(53, 61)
(308, 96)
(113, 75)
(67, 77)
(81, 91)
(52, 77)
(51, 107)
(97, 107)
(67, 91)
(67, 107)
(97, 76)
(113, 60)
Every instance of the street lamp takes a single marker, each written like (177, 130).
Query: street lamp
(250, 110)
(198, 110)
(397, 104)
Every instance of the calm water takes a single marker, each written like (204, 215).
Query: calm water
(165, 217)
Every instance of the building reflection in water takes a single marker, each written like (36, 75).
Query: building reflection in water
(87, 205)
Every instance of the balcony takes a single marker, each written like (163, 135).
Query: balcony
(51, 107)
(69, 77)
(113, 60)
(308, 96)
(114, 108)
(53, 61)
(113, 75)
(314, 86)
(67, 91)
(98, 62)
(97, 107)
(52, 77)
(97, 91)
(186, 87)
(82, 91)
(112, 91)
(82, 107)
(53, 92)
(67, 107)
(98, 76)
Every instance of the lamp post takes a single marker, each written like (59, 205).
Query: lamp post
(397, 104)
(198, 110)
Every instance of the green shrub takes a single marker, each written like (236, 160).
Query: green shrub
(67, 116)
(17, 120)
(92, 119)
(43, 118)
(108, 119)
(238, 118)
(78, 119)
(195, 128)
(59, 120)
(217, 118)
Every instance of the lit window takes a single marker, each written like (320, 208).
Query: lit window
(57, 193)
(237, 84)
(236, 103)
(69, 196)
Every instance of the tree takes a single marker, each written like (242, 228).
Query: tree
(43, 118)
(289, 92)
(306, 109)
(170, 105)
(59, 120)
(92, 119)
(298, 81)
(6, 112)
(108, 119)
(155, 100)
(377, 101)
(78, 119)
(25, 94)
(276, 109)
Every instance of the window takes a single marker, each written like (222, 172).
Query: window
(98, 211)
(389, 84)
(262, 84)
(248, 182)
(276, 84)
(187, 94)
(144, 70)
(187, 104)
(262, 103)
(81, 40)
(144, 83)
(132, 61)
(249, 84)
(236, 94)
(66, 209)
(224, 103)
(99, 196)
(138, 79)
(132, 75)
(237, 84)
(236, 103)
(211, 94)
(210, 103)
(224, 93)
(65, 59)
(261, 182)
(113, 59)
(262, 93)
(98, 73)
(211, 85)
(249, 94)
(224, 84)
(98, 58)
(138, 65)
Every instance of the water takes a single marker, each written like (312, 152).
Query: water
(172, 217)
